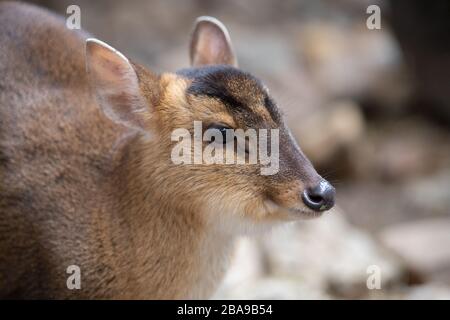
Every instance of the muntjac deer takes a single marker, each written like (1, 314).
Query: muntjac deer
(86, 175)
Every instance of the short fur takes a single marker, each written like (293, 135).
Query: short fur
(77, 188)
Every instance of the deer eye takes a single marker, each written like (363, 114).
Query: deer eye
(222, 129)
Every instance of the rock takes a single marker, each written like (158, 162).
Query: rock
(430, 194)
(400, 150)
(422, 245)
(272, 288)
(373, 205)
(332, 255)
(347, 59)
(322, 259)
(427, 292)
(330, 130)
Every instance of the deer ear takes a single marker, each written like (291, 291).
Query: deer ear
(211, 44)
(114, 82)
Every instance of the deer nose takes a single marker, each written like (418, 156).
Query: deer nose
(321, 197)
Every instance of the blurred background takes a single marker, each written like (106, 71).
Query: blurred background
(371, 108)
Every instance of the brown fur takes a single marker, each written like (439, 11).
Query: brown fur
(77, 188)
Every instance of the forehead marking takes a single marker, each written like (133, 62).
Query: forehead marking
(239, 91)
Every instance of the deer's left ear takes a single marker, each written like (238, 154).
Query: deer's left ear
(211, 44)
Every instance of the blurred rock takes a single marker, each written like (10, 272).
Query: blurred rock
(422, 244)
(427, 292)
(272, 288)
(332, 255)
(431, 194)
(374, 205)
(328, 131)
(347, 59)
(249, 277)
(401, 150)
(327, 258)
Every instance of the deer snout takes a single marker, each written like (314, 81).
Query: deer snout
(320, 197)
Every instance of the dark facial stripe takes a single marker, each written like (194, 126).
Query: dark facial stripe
(236, 89)
(272, 108)
(213, 86)
(214, 82)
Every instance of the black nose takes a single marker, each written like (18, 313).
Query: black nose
(320, 197)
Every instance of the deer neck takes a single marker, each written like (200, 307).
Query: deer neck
(175, 252)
